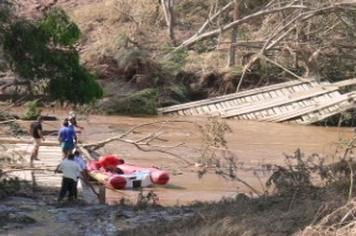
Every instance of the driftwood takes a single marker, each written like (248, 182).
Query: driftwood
(7, 121)
(143, 143)
(7, 171)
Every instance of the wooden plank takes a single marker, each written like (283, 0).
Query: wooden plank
(273, 94)
(285, 91)
(236, 102)
(212, 107)
(231, 103)
(305, 86)
(226, 105)
(255, 100)
(181, 113)
(309, 109)
(258, 115)
(228, 97)
(279, 93)
(345, 83)
(297, 89)
(276, 102)
(198, 111)
(4, 140)
(260, 97)
(243, 100)
(205, 109)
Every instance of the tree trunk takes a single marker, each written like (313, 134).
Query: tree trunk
(231, 60)
(168, 10)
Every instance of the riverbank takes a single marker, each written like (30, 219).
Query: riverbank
(283, 213)
(27, 216)
(223, 208)
(254, 145)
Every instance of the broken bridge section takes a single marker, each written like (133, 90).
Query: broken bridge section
(302, 102)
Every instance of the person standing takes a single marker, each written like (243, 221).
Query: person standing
(83, 174)
(66, 138)
(71, 170)
(37, 136)
(73, 120)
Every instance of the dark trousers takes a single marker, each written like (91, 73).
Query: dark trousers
(68, 185)
(76, 189)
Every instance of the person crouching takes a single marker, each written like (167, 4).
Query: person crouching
(71, 170)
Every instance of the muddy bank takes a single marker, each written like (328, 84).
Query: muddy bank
(286, 213)
(26, 216)
(278, 215)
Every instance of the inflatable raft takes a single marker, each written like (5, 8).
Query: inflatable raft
(114, 173)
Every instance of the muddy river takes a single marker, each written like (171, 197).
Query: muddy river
(253, 144)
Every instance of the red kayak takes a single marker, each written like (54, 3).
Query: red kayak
(114, 173)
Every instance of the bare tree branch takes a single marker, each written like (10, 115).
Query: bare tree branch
(213, 17)
(144, 143)
(191, 41)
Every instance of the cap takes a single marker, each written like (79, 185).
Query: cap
(71, 114)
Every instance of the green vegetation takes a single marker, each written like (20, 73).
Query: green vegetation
(126, 44)
(43, 55)
(32, 111)
(139, 103)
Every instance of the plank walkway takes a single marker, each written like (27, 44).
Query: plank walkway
(50, 156)
(294, 101)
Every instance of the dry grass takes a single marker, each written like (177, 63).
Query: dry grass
(102, 23)
(267, 215)
(340, 222)
(281, 213)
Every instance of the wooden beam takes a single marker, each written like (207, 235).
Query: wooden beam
(4, 140)
(228, 97)
(240, 110)
(309, 109)
(342, 108)
(345, 83)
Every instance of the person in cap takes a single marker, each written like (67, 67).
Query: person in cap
(73, 120)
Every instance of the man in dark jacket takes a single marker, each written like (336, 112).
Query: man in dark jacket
(37, 136)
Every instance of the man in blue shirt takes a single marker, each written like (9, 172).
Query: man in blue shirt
(67, 138)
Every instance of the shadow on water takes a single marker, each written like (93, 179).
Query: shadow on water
(34, 182)
(171, 186)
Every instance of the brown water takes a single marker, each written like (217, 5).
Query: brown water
(254, 144)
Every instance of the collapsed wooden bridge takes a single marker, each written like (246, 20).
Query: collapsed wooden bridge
(294, 101)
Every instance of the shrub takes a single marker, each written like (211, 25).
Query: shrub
(139, 103)
(32, 111)
(8, 184)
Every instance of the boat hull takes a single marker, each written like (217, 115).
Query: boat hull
(131, 176)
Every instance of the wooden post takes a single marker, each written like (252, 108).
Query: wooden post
(102, 195)
(231, 59)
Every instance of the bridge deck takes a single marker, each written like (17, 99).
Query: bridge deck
(294, 100)
(41, 173)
